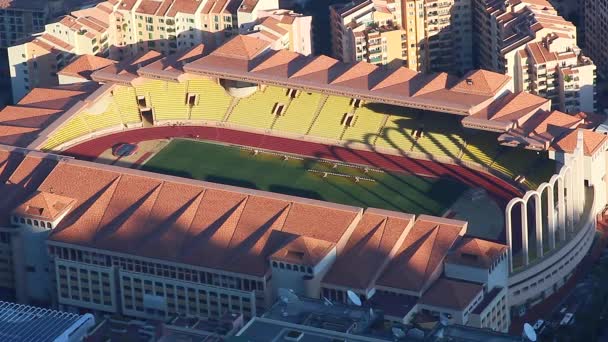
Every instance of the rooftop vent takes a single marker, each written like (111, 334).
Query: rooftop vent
(469, 81)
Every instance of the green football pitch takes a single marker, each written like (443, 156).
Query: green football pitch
(266, 171)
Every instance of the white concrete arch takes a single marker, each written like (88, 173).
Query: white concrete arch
(559, 219)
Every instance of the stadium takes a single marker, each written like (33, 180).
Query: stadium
(352, 134)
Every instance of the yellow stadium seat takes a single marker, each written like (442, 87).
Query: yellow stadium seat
(397, 133)
(299, 115)
(107, 119)
(126, 100)
(367, 125)
(173, 106)
(481, 148)
(256, 110)
(213, 100)
(74, 128)
(328, 124)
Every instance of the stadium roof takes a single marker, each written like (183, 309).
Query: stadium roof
(250, 59)
(476, 253)
(370, 247)
(450, 293)
(27, 323)
(423, 251)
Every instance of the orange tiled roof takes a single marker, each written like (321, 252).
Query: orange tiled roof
(186, 221)
(377, 235)
(85, 65)
(449, 293)
(476, 253)
(422, 253)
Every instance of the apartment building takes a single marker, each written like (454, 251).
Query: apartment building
(595, 14)
(285, 30)
(564, 76)
(422, 35)
(20, 18)
(530, 42)
(122, 29)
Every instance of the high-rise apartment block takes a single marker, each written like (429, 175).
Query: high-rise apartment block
(529, 41)
(419, 34)
(121, 29)
(595, 18)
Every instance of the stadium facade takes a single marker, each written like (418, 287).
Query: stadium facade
(147, 245)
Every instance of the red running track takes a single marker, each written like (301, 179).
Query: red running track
(501, 189)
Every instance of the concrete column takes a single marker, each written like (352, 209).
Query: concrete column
(550, 216)
(570, 199)
(561, 209)
(539, 225)
(524, 233)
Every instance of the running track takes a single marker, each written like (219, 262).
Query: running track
(502, 190)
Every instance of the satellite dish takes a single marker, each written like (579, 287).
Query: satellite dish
(354, 298)
(398, 332)
(287, 295)
(529, 332)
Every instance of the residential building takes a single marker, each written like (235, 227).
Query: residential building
(421, 35)
(122, 29)
(564, 76)
(28, 323)
(285, 30)
(595, 13)
(530, 42)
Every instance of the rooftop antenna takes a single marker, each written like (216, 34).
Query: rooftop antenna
(354, 298)
(529, 332)
(287, 295)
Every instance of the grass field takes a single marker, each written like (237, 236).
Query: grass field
(235, 166)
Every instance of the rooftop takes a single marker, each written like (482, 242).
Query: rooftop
(28, 323)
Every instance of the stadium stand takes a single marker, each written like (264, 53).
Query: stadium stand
(126, 100)
(513, 162)
(257, 109)
(481, 148)
(367, 125)
(173, 106)
(440, 135)
(76, 127)
(299, 114)
(329, 122)
(213, 100)
(109, 118)
(398, 133)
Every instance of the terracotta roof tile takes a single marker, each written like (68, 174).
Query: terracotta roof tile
(377, 235)
(422, 253)
(476, 253)
(449, 293)
(85, 65)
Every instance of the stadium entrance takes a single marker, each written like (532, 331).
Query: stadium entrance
(147, 116)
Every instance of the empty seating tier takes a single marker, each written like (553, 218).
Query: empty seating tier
(299, 114)
(329, 122)
(398, 133)
(439, 136)
(212, 100)
(74, 128)
(174, 106)
(367, 124)
(482, 148)
(109, 118)
(257, 109)
(126, 100)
